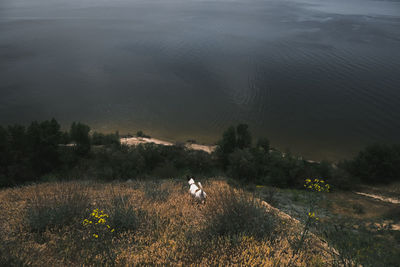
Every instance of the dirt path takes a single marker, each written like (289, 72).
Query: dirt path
(382, 198)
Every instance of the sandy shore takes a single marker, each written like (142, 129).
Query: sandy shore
(133, 141)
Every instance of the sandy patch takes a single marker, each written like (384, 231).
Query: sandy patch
(208, 149)
(133, 141)
(382, 198)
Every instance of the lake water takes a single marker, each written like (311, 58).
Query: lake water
(321, 78)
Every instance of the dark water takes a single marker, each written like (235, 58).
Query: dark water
(319, 77)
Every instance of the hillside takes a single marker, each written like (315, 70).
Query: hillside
(154, 222)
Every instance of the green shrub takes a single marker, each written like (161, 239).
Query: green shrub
(79, 133)
(43, 140)
(242, 166)
(122, 215)
(231, 213)
(97, 239)
(64, 207)
(142, 134)
(165, 170)
(376, 164)
(243, 136)
(105, 139)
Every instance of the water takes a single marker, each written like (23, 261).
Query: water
(318, 77)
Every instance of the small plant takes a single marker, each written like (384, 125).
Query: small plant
(315, 187)
(97, 222)
(98, 236)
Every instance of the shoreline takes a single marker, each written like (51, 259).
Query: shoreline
(133, 141)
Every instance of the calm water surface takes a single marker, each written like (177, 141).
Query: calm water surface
(319, 77)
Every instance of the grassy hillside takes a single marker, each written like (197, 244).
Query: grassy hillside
(146, 223)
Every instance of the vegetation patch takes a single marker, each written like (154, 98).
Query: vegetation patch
(123, 226)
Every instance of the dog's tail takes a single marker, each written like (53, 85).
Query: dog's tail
(203, 195)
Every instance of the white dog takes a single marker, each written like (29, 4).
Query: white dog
(197, 191)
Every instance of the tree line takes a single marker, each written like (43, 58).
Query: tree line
(41, 151)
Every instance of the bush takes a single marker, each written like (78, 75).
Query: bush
(43, 139)
(105, 139)
(165, 170)
(226, 146)
(56, 209)
(231, 213)
(117, 163)
(242, 166)
(123, 216)
(79, 133)
(376, 164)
(142, 134)
(243, 136)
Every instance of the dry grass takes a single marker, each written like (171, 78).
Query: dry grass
(155, 223)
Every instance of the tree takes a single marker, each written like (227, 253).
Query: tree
(243, 136)
(263, 143)
(242, 165)
(226, 146)
(376, 164)
(43, 140)
(79, 133)
(18, 165)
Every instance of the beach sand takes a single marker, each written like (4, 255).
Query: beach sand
(133, 141)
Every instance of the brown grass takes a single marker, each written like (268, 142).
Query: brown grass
(232, 228)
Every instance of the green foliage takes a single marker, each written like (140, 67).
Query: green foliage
(376, 164)
(142, 134)
(232, 139)
(226, 146)
(79, 133)
(242, 165)
(27, 154)
(105, 139)
(98, 239)
(165, 170)
(243, 136)
(116, 163)
(263, 143)
(16, 164)
(43, 140)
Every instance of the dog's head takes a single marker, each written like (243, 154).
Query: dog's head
(190, 180)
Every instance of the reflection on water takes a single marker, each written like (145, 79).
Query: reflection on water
(319, 77)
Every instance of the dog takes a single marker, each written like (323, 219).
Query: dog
(195, 191)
